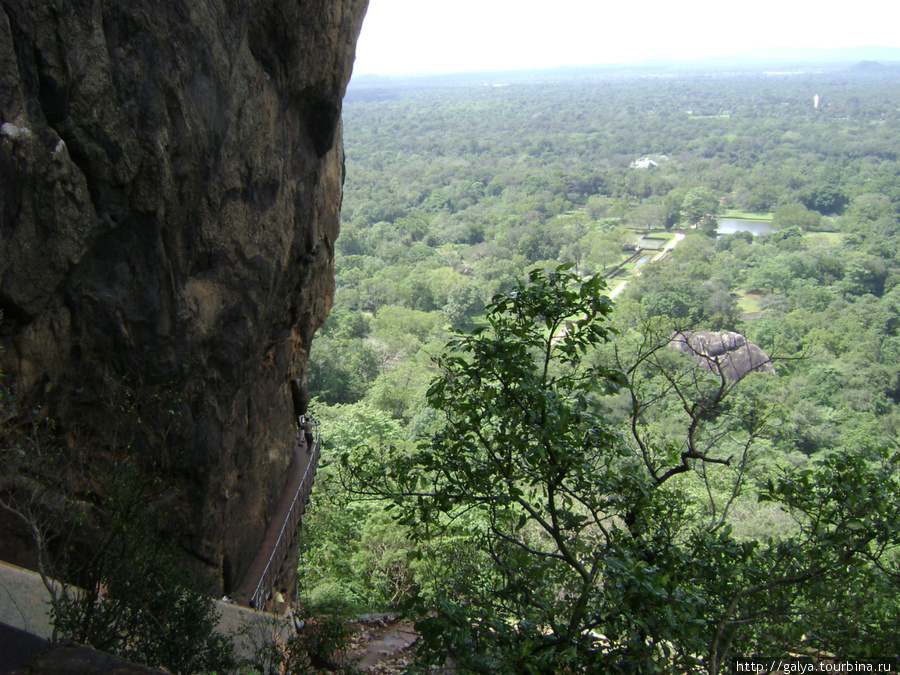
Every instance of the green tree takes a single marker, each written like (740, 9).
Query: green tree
(796, 215)
(464, 303)
(698, 202)
(340, 370)
(110, 572)
(607, 247)
(521, 442)
(598, 206)
(647, 217)
(353, 556)
(824, 199)
(400, 391)
(594, 555)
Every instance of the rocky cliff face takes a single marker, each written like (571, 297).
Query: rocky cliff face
(170, 186)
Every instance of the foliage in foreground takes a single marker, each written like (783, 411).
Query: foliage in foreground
(585, 552)
(273, 646)
(110, 571)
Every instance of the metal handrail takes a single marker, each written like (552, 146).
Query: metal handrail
(291, 521)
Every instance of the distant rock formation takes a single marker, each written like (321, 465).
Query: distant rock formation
(726, 352)
(170, 187)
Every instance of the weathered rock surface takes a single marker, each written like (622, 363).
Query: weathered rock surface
(726, 352)
(170, 186)
(22, 653)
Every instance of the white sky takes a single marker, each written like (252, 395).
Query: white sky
(437, 36)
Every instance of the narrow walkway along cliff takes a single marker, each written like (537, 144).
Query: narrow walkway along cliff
(274, 554)
(170, 187)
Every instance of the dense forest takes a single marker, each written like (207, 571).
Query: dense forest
(707, 518)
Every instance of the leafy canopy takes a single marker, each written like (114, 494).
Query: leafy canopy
(566, 543)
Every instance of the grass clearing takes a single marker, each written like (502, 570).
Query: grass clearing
(748, 305)
(747, 215)
(748, 302)
(822, 239)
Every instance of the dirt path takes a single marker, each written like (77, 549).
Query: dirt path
(663, 251)
(618, 289)
(668, 247)
(381, 644)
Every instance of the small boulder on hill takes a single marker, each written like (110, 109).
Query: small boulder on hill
(723, 352)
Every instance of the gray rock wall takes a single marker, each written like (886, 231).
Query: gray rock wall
(170, 187)
(723, 352)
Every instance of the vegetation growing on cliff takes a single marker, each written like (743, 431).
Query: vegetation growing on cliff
(110, 571)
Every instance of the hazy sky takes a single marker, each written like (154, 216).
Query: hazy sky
(436, 36)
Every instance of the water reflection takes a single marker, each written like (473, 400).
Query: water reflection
(755, 227)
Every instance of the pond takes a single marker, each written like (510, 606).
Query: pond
(643, 259)
(730, 226)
